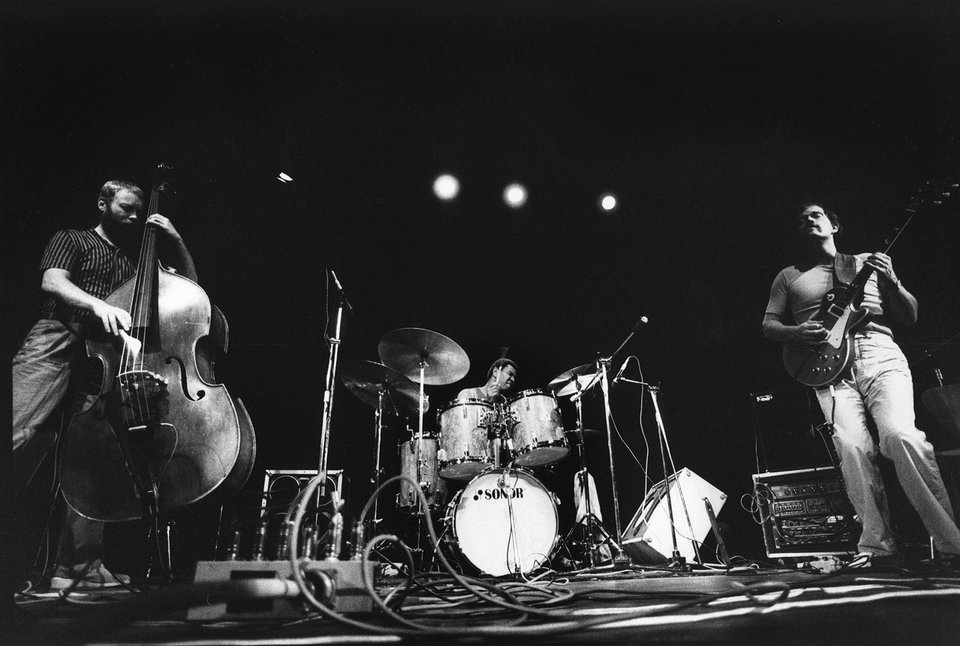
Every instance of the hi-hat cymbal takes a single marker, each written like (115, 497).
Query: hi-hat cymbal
(405, 349)
(587, 432)
(367, 379)
(566, 384)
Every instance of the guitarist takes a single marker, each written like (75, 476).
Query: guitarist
(78, 269)
(878, 383)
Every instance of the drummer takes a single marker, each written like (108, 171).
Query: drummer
(500, 379)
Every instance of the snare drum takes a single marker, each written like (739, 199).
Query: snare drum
(536, 429)
(436, 487)
(503, 522)
(465, 448)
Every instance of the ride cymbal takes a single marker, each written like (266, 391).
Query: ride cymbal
(407, 349)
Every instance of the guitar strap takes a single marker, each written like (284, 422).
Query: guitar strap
(844, 269)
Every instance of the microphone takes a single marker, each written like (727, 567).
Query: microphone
(643, 321)
(616, 379)
(336, 281)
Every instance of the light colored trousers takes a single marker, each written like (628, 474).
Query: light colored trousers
(881, 385)
(42, 370)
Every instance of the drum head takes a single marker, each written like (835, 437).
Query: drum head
(466, 401)
(505, 523)
(530, 392)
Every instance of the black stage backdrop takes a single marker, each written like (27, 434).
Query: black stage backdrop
(710, 121)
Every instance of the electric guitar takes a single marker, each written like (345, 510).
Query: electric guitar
(821, 364)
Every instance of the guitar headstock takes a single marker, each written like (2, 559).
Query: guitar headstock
(164, 181)
(930, 195)
(933, 194)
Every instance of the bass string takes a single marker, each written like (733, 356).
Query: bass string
(133, 364)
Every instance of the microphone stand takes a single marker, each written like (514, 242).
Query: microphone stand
(331, 381)
(665, 453)
(620, 558)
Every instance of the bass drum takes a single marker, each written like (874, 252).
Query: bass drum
(503, 522)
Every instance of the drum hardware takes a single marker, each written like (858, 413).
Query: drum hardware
(428, 358)
(412, 527)
(378, 385)
(591, 525)
(573, 377)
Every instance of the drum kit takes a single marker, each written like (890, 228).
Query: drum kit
(504, 521)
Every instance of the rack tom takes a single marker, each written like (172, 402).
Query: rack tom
(536, 429)
(465, 449)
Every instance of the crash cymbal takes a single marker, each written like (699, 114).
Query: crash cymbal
(444, 362)
(566, 384)
(366, 379)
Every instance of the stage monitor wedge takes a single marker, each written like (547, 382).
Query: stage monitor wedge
(648, 539)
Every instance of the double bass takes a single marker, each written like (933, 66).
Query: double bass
(158, 432)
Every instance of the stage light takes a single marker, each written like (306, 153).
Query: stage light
(446, 187)
(284, 178)
(608, 202)
(515, 195)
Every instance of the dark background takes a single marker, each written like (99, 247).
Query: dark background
(709, 120)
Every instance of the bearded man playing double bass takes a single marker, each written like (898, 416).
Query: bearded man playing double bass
(79, 268)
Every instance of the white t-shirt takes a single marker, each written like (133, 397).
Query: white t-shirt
(797, 295)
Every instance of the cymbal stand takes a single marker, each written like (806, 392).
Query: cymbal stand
(332, 362)
(603, 365)
(590, 521)
(378, 432)
(420, 481)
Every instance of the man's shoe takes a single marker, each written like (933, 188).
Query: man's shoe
(860, 560)
(947, 563)
(97, 576)
(867, 560)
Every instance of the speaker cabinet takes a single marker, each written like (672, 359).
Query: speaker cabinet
(648, 538)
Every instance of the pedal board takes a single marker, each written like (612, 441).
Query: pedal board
(346, 595)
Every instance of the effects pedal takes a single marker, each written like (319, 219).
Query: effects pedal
(339, 584)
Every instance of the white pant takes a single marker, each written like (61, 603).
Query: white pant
(881, 385)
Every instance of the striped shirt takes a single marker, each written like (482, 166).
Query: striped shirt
(95, 266)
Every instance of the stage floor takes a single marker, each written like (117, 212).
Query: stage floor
(623, 606)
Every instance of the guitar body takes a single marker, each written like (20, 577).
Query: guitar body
(817, 365)
(821, 364)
